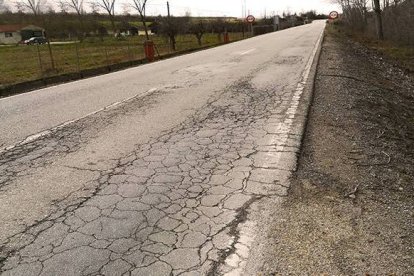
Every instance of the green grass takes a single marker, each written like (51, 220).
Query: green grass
(22, 63)
(404, 55)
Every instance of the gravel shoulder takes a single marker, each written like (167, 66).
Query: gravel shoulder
(350, 208)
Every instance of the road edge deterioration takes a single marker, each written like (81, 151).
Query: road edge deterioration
(350, 208)
(315, 56)
(304, 98)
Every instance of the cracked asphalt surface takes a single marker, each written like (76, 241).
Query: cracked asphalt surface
(176, 181)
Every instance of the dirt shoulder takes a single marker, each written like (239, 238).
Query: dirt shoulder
(351, 206)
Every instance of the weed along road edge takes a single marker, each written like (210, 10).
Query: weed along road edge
(170, 167)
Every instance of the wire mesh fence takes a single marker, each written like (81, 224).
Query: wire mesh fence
(30, 62)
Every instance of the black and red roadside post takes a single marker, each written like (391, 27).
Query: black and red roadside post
(226, 37)
(149, 49)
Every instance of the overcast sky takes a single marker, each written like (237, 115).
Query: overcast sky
(235, 7)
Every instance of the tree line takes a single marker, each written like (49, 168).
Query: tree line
(68, 19)
(67, 26)
(386, 19)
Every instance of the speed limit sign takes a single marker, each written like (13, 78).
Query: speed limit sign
(250, 19)
(333, 15)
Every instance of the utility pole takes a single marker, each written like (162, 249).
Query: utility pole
(377, 10)
(169, 22)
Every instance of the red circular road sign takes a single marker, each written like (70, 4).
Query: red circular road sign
(333, 15)
(250, 19)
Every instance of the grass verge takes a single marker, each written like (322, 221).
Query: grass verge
(27, 63)
(403, 55)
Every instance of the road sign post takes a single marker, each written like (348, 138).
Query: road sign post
(333, 15)
(250, 19)
(276, 23)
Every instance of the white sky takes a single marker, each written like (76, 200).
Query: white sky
(235, 7)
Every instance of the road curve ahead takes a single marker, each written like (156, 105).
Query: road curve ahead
(168, 168)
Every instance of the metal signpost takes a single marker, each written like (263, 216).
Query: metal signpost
(250, 19)
(276, 23)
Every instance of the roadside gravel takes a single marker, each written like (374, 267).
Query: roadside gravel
(350, 208)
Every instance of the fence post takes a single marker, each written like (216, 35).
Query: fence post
(51, 56)
(77, 57)
(156, 50)
(106, 56)
(40, 59)
(130, 57)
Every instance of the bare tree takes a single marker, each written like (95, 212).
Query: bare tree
(94, 8)
(220, 27)
(77, 7)
(198, 29)
(355, 13)
(392, 18)
(63, 8)
(361, 5)
(140, 6)
(109, 7)
(377, 10)
(3, 6)
(172, 26)
(33, 6)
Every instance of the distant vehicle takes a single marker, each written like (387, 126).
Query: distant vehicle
(35, 40)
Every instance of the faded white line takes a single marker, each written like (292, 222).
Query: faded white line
(285, 127)
(41, 134)
(247, 52)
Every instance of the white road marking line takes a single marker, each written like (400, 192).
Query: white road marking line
(43, 133)
(247, 52)
(249, 229)
(286, 126)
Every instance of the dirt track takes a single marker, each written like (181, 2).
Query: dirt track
(351, 207)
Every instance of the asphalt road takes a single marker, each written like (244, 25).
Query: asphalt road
(169, 167)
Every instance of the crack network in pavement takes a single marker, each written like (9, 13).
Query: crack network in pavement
(178, 204)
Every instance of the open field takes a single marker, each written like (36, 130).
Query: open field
(24, 63)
